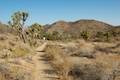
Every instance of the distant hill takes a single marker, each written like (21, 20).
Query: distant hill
(116, 29)
(118, 26)
(78, 26)
(96, 30)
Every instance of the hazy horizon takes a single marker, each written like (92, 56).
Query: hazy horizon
(49, 11)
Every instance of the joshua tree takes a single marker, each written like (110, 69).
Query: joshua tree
(17, 23)
(36, 31)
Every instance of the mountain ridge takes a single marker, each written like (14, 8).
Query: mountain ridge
(78, 25)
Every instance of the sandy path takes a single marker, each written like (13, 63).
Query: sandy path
(41, 65)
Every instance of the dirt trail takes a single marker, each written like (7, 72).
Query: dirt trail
(40, 66)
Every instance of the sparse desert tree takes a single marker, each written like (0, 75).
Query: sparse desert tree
(107, 36)
(36, 31)
(17, 23)
(85, 35)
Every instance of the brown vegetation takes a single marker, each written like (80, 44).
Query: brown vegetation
(80, 50)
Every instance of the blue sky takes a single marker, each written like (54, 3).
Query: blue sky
(49, 11)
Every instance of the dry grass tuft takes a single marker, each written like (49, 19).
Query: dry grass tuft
(13, 72)
(59, 61)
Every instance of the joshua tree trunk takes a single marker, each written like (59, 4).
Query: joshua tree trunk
(23, 37)
(23, 33)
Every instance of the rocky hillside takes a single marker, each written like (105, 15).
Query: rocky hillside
(78, 26)
(91, 29)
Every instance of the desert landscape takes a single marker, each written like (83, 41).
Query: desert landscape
(59, 40)
(80, 50)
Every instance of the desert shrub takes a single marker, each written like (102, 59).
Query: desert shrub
(16, 52)
(9, 72)
(10, 48)
(86, 72)
(53, 36)
(104, 36)
(65, 36)
(19, 52)
(84, 49)
(99, 34)
(107, 36)
(85, 35)
(59, 61)
(54, 51)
